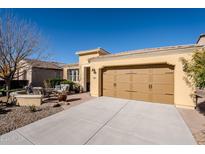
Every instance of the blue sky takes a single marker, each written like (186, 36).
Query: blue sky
(116, 30)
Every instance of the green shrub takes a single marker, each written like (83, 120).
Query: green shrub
(195, 69)
(2, 89)
(71, 83)
(47, 83)
(32, 108)
(51, 83)
(76, 87)
(55, 82)
(67, 82)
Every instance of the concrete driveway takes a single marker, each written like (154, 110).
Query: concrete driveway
(107, 120)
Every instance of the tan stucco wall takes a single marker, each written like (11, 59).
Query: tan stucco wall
(28, 75)
(182, 91)
(65, 73)
(83, 63)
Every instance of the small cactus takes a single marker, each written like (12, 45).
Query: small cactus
(32, 108)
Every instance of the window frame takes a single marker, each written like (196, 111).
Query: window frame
(73, 75)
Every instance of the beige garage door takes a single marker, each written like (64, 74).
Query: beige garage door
(153, 83)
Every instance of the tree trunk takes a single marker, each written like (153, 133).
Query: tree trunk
(8, 87)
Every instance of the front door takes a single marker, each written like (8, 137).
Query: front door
(87, 81)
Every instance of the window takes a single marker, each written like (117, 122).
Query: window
(73, 74)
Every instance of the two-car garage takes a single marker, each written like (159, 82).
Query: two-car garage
(150, 75)
(152, 83)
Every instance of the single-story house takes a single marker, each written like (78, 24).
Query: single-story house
(152, 75)
(37, 71)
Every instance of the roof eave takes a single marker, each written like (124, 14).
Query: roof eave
(71, 65)
(97, 50)
(202, 35)
(47, 68)
(151, 50)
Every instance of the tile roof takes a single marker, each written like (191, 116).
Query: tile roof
(45, 64)
(71, 65)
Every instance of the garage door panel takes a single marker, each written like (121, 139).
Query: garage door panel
(162, 71)
(160, 98)
(108, 92)
(152, 83)
(140, 96)
(141, 87)
(108, 78)
(108, 71)
(162, 88)
(123, 71)
(163, 78)
(123, 77)
(123, 86)
(141, 71)
(140, 78)
(123, 94)
(108, 85)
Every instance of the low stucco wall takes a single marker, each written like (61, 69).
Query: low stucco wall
(29, 100)
(182, 91)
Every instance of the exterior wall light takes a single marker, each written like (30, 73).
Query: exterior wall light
(93, 70)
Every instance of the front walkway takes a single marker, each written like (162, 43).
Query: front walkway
(107, 120)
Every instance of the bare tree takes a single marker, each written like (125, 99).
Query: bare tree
(19, 40)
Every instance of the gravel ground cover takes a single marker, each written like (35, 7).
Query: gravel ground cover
(14, 117)
(196, 123)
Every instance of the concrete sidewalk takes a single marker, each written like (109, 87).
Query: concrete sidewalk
(107, 120)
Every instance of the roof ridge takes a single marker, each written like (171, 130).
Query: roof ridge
(158, 48)
(39, 60)
(99, 49)
(44, 64)
(71, 64)
(147, 50)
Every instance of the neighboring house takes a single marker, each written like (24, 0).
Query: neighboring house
(38, 71)
(153, 75)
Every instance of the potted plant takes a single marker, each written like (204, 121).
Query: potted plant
(76, 88)
(62, 96)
